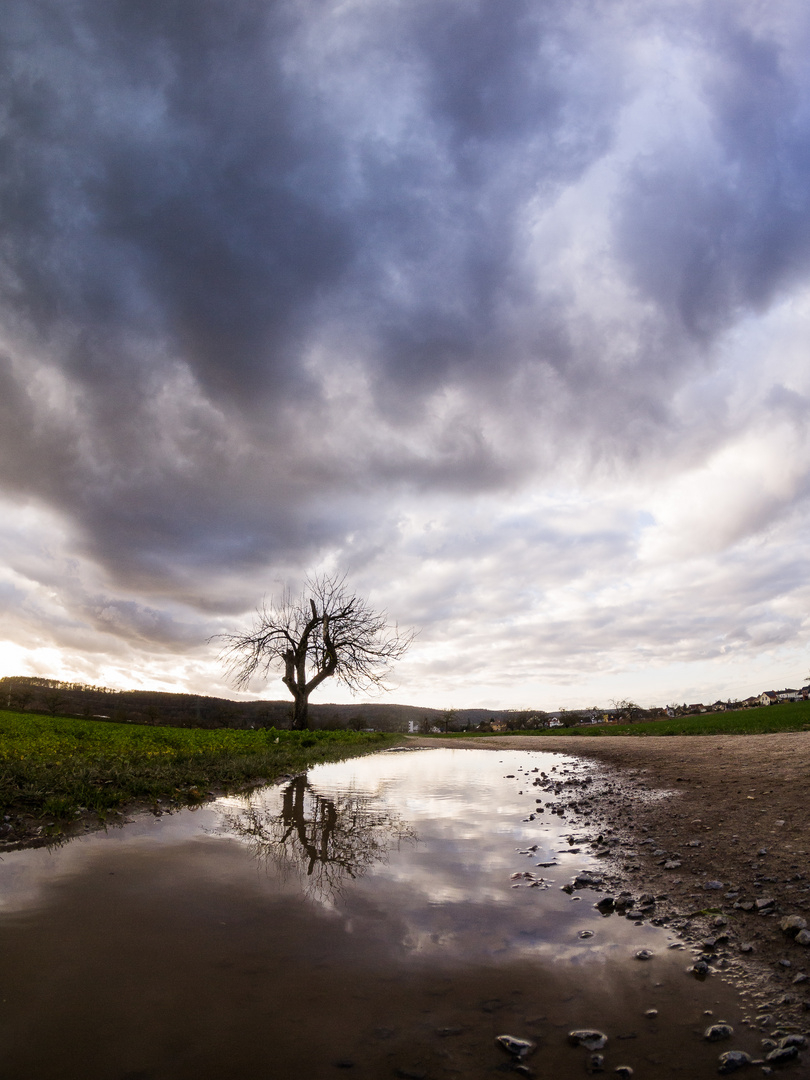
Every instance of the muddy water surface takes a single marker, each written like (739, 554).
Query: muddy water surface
(361, 921)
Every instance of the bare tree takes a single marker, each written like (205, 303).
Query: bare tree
(328, 630)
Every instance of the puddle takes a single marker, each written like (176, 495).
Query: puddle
(362, 920)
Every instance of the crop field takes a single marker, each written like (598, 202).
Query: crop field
(60, 768)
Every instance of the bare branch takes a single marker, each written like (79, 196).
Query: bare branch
(327, 631)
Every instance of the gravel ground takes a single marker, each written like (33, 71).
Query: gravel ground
(733, 813)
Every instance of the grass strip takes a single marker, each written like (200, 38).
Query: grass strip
(60, 768)
(766, 720)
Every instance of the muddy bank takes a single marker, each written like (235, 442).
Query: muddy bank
(717, 828)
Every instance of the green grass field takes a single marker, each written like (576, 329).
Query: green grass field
(57, 768)
(791, 716)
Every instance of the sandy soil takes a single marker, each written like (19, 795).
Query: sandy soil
(728, 809)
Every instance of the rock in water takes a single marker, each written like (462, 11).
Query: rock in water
(590, 1038)
(793, 1040)
(519, 1048)
(733, 1060)
(718, 1032)
(782, 1055)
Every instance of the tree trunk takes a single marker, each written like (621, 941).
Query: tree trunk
(300, 712)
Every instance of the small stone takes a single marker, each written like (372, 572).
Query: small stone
(624, 1072)
(644, 954)
(586, 933)
(782, 1055)
(733, 1060)
(803, 938)
(515, 1046)
(590, 1038)
(700, 969)
(764, 902)
(596, 1063)
(587, 881)
(713, 885)
(801, 978)
(796, 1040)
(651, 1014)
(672, 864)
(746, 947)
(792, 924)
(718, 1032)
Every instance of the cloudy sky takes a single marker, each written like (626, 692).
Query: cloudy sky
(502, 308)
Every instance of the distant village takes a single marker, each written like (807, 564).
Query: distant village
(622, 712)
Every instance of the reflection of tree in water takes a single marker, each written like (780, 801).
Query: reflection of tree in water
(327, 839)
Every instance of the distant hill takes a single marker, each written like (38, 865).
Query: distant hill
(56, 698)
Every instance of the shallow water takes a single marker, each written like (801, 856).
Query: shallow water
(361, 920)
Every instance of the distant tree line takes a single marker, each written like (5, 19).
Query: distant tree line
(55, 698)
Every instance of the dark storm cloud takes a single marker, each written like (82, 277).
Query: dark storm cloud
(711, 234)
(216, 212)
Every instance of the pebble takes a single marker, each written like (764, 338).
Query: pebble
(803, 937)
(590, 1038)
(799, 1041)
(792, 924)
(515, 1046)
(651, 1014)
(700, 969)
(586, 933)
(587, 881)
(782, 1055)
(718, 1032)
(644, 954)
(596, 1063)
(623, 1071)
(713, 885)
(733, 1060)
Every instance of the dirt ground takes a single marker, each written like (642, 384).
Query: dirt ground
(733, 813)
